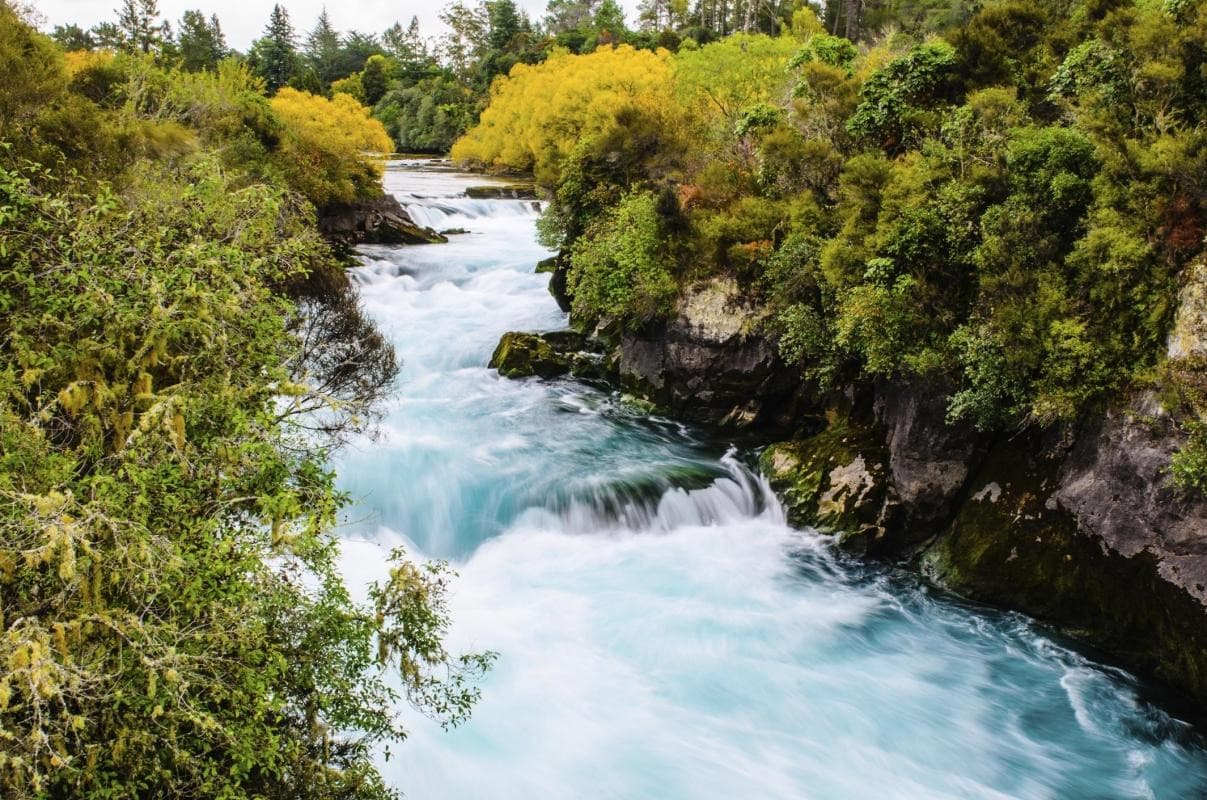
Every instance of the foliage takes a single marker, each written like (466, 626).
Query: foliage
(168, 576)
(179, 352)
(323, 150)
(620, 268)
(735, 73)
(538, 114)
(895, 97)
(427, 117)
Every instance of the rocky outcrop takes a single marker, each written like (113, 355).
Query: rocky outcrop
(381, 220)
(930, 458)
(836, 481)
(1077, 525)
(550, 355)
(1188, 337)
(512, 191)
(709, 363)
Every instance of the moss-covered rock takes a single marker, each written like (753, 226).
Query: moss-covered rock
(836, 481)
(1014, 544)
(552, 355)
(523, 355)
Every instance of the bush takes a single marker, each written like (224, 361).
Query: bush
(620, 269)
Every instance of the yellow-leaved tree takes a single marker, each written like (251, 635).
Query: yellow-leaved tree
(330, 146)
(539, 113)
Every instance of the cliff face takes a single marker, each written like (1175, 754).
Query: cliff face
(1078, 525)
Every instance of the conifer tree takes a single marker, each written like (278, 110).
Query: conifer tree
(275, 54)
(323, 49)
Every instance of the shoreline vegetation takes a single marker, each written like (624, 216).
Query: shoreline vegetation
(180, 353)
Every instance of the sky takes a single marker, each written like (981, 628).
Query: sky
(244, 20)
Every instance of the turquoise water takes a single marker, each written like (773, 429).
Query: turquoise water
(662, 633)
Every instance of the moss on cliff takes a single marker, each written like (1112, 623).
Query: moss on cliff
(1012, 545)
(836, 481)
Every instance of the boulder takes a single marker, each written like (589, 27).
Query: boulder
(710, 363)
(523, 355)
(836, 481)
(381, 220)
(513, 191)
(552, 355)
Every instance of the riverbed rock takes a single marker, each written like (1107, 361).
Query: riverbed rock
(836, 480)
(552, 354)
(511, 191)
(523, 355)
(381, 220)
(710, 363)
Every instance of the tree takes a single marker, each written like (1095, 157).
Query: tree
(138, 22)
(72, 37)
(538, 114)
(563, 16)
(505, 23)
(275, 54)
(201, 42)
(374, 79)
(609, 21)
(322, 50)
(107, 36)
(408, 49)
(356, 51)
(322, 153)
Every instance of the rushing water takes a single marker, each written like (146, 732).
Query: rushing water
(662, 633)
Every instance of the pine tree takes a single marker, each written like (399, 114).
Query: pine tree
(201, 42)
(137, 21)
(609, 20)
(323, 49)
(505, 23)
(275, 54)
(562, 16)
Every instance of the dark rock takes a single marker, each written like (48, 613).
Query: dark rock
(454, 232)
(930, 458)
(381, 220)
(1047, 531)
(559, 282)
(1116, 486)
(514, 191)
(551, 355)
(708, 364)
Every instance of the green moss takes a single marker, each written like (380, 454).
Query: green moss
(836, 481)
(523, 355)
(1010, 545)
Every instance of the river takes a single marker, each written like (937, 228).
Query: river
(662, 633)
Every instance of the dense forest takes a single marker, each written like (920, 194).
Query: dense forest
(1004, 198)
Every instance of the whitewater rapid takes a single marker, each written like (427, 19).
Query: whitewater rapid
(662, 633)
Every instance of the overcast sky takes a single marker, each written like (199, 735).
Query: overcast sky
(244, 20)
